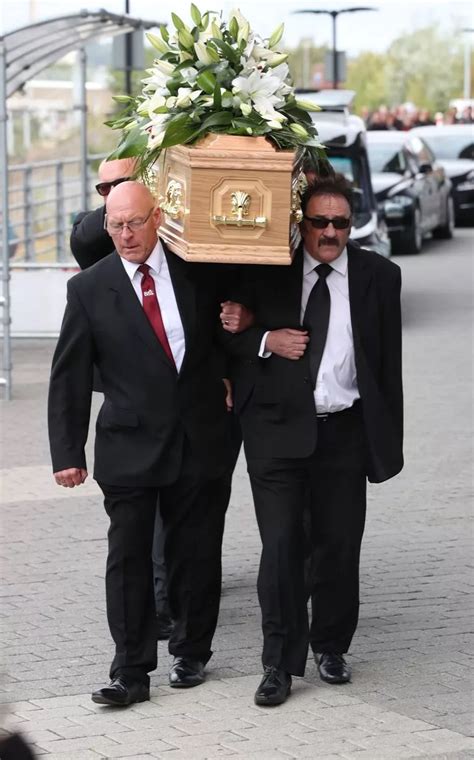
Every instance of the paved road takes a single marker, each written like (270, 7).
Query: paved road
(411, 694)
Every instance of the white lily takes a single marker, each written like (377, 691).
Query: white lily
(186, 96)
(202, 53)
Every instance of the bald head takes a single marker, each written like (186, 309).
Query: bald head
(132, 220)
(119, 167)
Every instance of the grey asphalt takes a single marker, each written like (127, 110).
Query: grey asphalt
(411, 694)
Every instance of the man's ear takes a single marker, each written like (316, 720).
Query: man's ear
(157, 216)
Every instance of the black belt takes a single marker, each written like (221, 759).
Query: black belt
(325, 415)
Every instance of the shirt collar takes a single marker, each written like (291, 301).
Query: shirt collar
(339, 264)
(154, 261)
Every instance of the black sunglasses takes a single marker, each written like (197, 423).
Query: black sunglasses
(321, 222)
(104, 188)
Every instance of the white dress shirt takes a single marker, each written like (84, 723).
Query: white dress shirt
(336, 385)
(166, 298)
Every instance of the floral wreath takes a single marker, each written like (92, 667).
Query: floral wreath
(213, 77)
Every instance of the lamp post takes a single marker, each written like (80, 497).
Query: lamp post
(128, 56)
(467, 63)
(334, 15)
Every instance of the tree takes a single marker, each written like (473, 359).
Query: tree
(366, 75)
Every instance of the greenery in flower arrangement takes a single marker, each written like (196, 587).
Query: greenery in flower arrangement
(214, 77)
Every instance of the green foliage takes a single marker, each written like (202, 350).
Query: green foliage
(425, 67)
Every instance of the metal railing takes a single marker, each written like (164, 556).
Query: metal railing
(44, 197)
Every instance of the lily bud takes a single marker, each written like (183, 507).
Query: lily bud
(299, 131)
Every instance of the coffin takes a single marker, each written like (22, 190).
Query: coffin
(230, 199)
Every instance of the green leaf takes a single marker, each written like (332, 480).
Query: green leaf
(195, 14)
(217, 97)
(179, 132)
(134, 144)
(164, 33)
(205, 20)
(229, 53)
(217, 119)
(177, 21)
(207, 82)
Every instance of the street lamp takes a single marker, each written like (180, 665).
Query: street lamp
(334, 15)
(467, 63)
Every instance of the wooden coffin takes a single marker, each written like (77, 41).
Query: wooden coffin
(230, 199)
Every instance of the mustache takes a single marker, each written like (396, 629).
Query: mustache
(327, 241)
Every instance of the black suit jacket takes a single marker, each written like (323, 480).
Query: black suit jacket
(274, 396)
(148, 408)
(89, 241)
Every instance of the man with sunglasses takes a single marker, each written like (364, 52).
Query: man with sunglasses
(148, 320)
(89, 240)
(319, 392)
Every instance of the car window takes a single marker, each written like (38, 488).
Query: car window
(451, 146)
(420, 151)
(386, 158)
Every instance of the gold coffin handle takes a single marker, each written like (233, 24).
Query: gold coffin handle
(232, 221)
(240, 208)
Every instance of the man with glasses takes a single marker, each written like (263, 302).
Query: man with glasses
(319, 391)
(90, 242)
(147, 319)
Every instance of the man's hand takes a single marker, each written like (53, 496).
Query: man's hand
(235, 317)
(71, 477)
(288, 343)
(229, 401)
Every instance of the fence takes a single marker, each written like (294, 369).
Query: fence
(44, 198)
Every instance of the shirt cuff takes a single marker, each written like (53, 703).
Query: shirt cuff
(262, 353)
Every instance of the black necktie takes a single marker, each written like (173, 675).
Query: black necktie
(316, 319)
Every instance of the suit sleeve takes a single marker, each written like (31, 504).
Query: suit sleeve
(70, 387)
(392, 351)
(89, 241)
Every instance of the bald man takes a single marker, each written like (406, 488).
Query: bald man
(89, 240)
(147, 319)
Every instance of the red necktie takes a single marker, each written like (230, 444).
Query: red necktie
(152, 309)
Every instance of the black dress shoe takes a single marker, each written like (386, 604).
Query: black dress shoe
(164, 626)
(333, 668)
(274, 688)
(121, 693)
(185, 673)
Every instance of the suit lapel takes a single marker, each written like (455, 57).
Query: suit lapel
(185, 292)
(360, 280)
(131, 308)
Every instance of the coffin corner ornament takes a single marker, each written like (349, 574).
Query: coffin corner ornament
(219, 123)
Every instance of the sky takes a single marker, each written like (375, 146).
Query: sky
(356, 32)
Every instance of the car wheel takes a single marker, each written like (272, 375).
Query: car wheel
(412, 240)
(445, 231)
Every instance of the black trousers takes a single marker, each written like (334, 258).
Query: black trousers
(193, 526)
(331, 485)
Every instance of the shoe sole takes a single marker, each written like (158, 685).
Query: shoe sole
(104, 701)
(270, 702)
(185, 685)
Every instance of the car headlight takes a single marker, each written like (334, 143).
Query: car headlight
(467, 183)
(396, 206)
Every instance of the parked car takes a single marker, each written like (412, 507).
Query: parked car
(453, 146)
(344, 136)
(411, 188)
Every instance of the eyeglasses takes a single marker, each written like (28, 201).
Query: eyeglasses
(321, 222)
(104, 188)
(116, 228)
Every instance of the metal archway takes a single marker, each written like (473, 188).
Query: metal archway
(24, 53)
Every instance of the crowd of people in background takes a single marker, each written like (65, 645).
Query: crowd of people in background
(404, 117)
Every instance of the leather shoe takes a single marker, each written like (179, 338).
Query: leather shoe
(121, 693)
(185, 673)
(333, 668)
(274, 688)
(164, 626)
